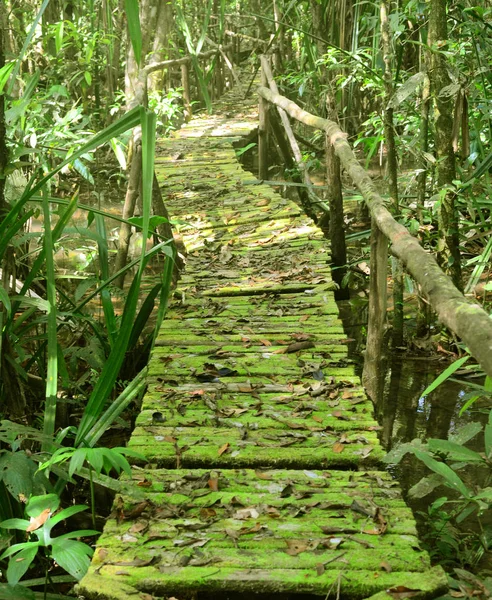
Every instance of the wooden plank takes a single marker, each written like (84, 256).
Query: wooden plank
(260, 459)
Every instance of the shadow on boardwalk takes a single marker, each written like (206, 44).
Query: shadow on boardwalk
(262, 471)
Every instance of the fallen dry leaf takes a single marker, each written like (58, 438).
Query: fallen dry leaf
(224, 448)
(39, 521)
(213, 484)
(400, 592)
(246, 513)
(386, 566)
(338, 447)
(295, 547)
(297, 346)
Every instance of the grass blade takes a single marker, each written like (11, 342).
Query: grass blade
(134, 30)
(52, 363)
(445, 375)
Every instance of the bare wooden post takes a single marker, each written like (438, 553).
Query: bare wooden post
(185, 82)
(337, 225)
(314, 200)
(263, 133)
(373, 375)
(219, 78)
(285, 151)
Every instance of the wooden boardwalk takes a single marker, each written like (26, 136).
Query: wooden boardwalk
(263, 470)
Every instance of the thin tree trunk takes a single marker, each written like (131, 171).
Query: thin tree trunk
(448, 252)
(392, 165)
(132, 193)
(423, 315)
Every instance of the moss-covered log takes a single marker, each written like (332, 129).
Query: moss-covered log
(468, 320)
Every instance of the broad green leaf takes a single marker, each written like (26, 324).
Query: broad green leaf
(116, 407)
(77, 461)
(18, 473)
(485, 494)
(119, 153)
(134, 30)
(27, 41)
(72, 556)
(108, 308)
(465, 433)
(395, 455)
(425, 486)
(449, 476)
(453, 451)
(59, 30)
(21, 524)
(78, 534)
(15, 592)
(488, 440)
(37, 504)
(408, 88)
(143, 316)
(5, 300)
(5, 72)
(66, 513)
(466, 512)
(445, 375)
(20, 563)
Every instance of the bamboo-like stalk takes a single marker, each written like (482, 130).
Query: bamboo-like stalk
(468, 320)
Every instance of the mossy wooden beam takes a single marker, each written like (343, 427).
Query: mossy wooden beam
(260, 470)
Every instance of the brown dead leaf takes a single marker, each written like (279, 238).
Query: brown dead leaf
(246, 513)
(139, 527)
(295, 547)
(207, 513)
(304, 318)
(224, 448)
(338, 447)
(266, 342)
(263, 475)
(399, 592)
(317, 419)
(39, 521)
(213, 484)
(298, 346)
(136, 511)
(386, 566)
(145, 483)
(347, 395)
(302, 337)
(320, 569)
(245, 530)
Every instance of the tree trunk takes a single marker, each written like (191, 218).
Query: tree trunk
(392, 166)
(448, 253)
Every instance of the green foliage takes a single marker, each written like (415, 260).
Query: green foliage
(71, 555)
(451, 534)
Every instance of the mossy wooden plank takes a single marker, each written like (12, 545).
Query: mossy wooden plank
(261, 458)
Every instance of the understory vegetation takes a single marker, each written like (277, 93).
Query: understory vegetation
(87, 253)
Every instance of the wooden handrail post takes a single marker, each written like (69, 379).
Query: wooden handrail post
(185, 81)
(263, 133)
(373, 373)
(337, 225)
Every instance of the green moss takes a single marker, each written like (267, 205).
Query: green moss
(257, 278)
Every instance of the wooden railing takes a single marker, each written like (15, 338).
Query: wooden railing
(466, 319)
